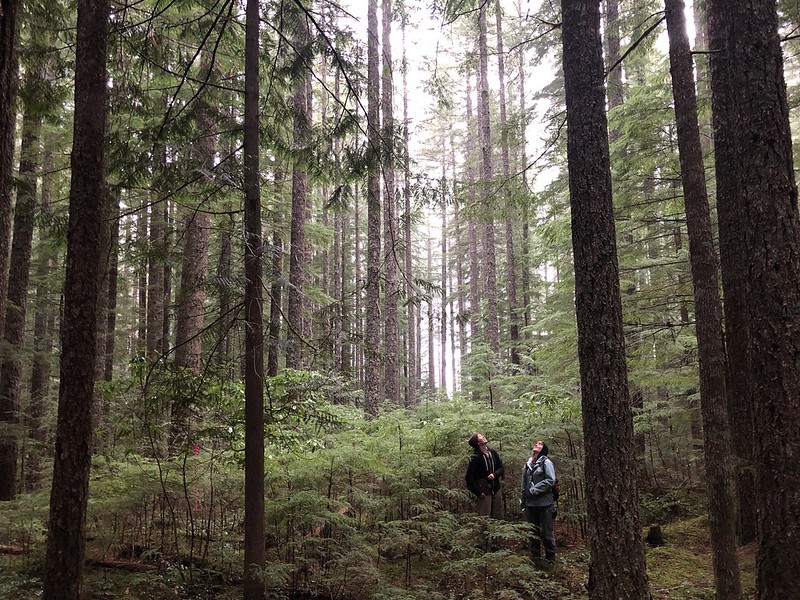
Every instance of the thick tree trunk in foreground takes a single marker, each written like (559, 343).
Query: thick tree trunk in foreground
(254, 555)
(748, 85)
(708, 312)
(68, 499)
(617, 568)
(735, 283)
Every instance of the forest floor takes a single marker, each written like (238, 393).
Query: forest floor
(678, 570)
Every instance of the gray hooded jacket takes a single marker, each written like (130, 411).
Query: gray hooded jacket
(536, 486)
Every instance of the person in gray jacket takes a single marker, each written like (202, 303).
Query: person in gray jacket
(536, 498)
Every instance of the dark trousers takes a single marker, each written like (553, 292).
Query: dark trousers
(542, 520)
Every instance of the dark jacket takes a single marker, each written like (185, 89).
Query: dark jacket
(478, 469)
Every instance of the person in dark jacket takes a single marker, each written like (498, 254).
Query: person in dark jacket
(536, 498)
(484, 476)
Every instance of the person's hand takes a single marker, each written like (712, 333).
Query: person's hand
(490, 476)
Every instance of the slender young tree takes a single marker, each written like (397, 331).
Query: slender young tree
(708, 311)
(617, 568)
(63, 575)
(749, 94)
(254, 556)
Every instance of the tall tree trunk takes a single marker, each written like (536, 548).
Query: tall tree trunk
(445, 295)
(155, 344)
(511, 262)
(43, 327)
(749, 96)
(224, 295)
(66, 540)
(372, 341)
(735, 284)
(391, 335)
(276, 286)
(8, 118)
(254, 555)
(141, 281)
(345, 300)
(358, 358)
(708, 312)
(113, 279)
(484, 136)
(617, 568)
(412, 358)
(431, 353)
(523, 166)
(462, 305)
(301, 125)
(16, 301)
(472, 229)
(190, 317)
(101, 335)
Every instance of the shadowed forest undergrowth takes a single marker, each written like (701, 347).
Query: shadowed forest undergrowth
(355, 509)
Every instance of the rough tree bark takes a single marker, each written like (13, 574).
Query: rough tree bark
(66, 541)
(196, 228)
(511, 269)
(372, 341)
(749, 96)
(735, 284)
(391, 326)
(301, 127)
(487, 172)
(708, 312)
(617, 567)
(411, 355)
(254, 554)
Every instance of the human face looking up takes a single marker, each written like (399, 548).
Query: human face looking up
(537, 447)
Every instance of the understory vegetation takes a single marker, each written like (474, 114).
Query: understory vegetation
(355, 508)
